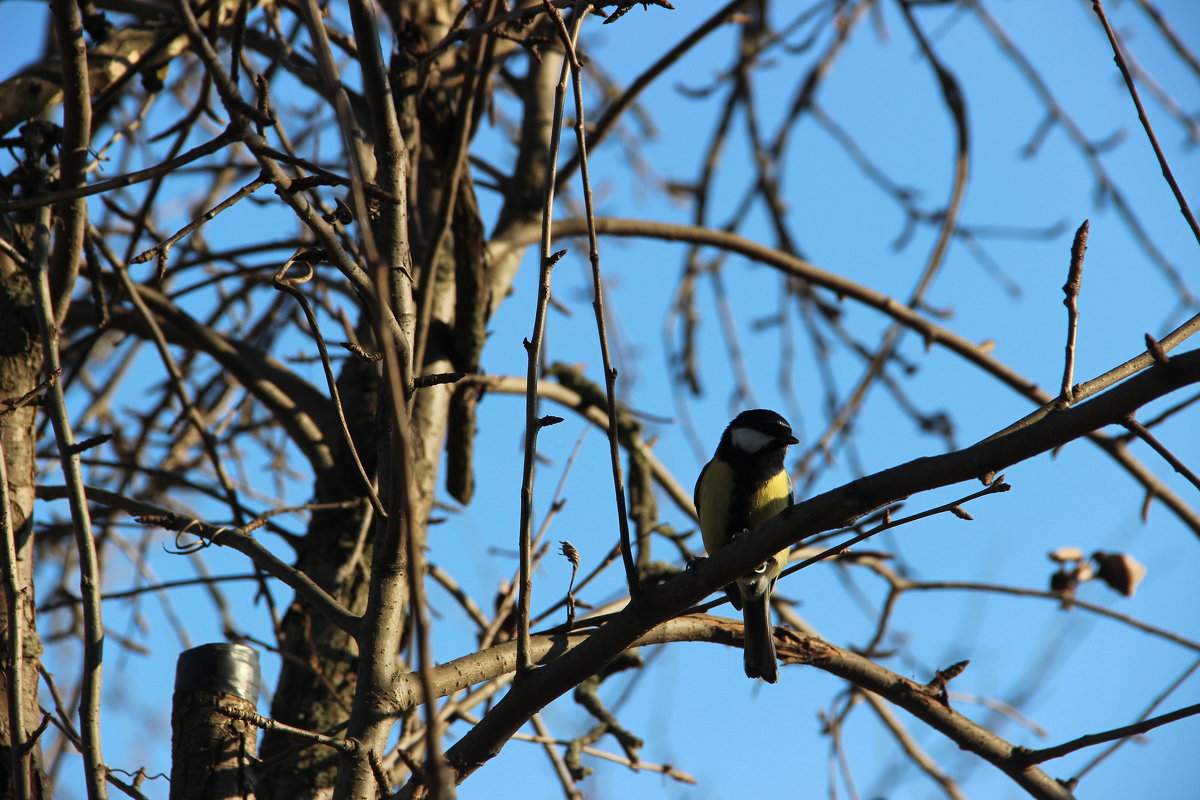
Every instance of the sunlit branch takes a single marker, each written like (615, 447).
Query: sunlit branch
(1139, 430)
(91, 683)
(901, 584)
(1184, 208)
(836, 508)
(533, 349)
(1093, 739)
(1160, 698)
(931, 332)
(1071, 301)
(569, 40)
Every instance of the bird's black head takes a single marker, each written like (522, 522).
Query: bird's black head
(756, 431)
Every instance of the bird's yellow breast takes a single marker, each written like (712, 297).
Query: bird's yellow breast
(721, 513)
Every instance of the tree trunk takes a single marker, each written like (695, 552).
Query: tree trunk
(20, 365)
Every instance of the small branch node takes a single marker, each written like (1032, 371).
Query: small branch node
(1155, 348)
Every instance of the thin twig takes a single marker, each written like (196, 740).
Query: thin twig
(610, 373)
(1165, 414)
(913, 748)
(1071, 301)
(238, 539)
(1093, 739)
(1177, 44)
(1016, 591)
(179, 386)
(887, 524)
(1139, 430)
(464, 600)
(1184, 208)
(533, 347)
(838, 756)
(65, 600)
(663, 769)
(348, 746)
(163, 249)
(20, 756)
(1160, 698)
(1001, 708)
(289, 285)
(11, 406)
(551, 745)
(91, 681)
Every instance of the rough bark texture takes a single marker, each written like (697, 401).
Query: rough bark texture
(20, 365)
(212, 754)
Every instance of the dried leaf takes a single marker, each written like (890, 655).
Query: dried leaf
(1120, 571)
(1064, 554)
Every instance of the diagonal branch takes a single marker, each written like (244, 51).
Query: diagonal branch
(832, 509)
(930, 331)
(1184, 208)
(1093, 739)
(236, 538)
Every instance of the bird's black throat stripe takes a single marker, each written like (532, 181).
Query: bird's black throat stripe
(752, 472)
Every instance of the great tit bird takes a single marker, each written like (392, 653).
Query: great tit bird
(743, 486)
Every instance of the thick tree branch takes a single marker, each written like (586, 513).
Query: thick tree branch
(830, 510)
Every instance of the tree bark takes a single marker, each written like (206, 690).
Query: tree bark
(20, 366)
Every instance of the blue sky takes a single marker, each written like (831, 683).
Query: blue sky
(693, 707)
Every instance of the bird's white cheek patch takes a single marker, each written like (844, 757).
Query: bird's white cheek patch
(749, 440)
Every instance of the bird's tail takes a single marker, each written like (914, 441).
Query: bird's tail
(759, 647)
